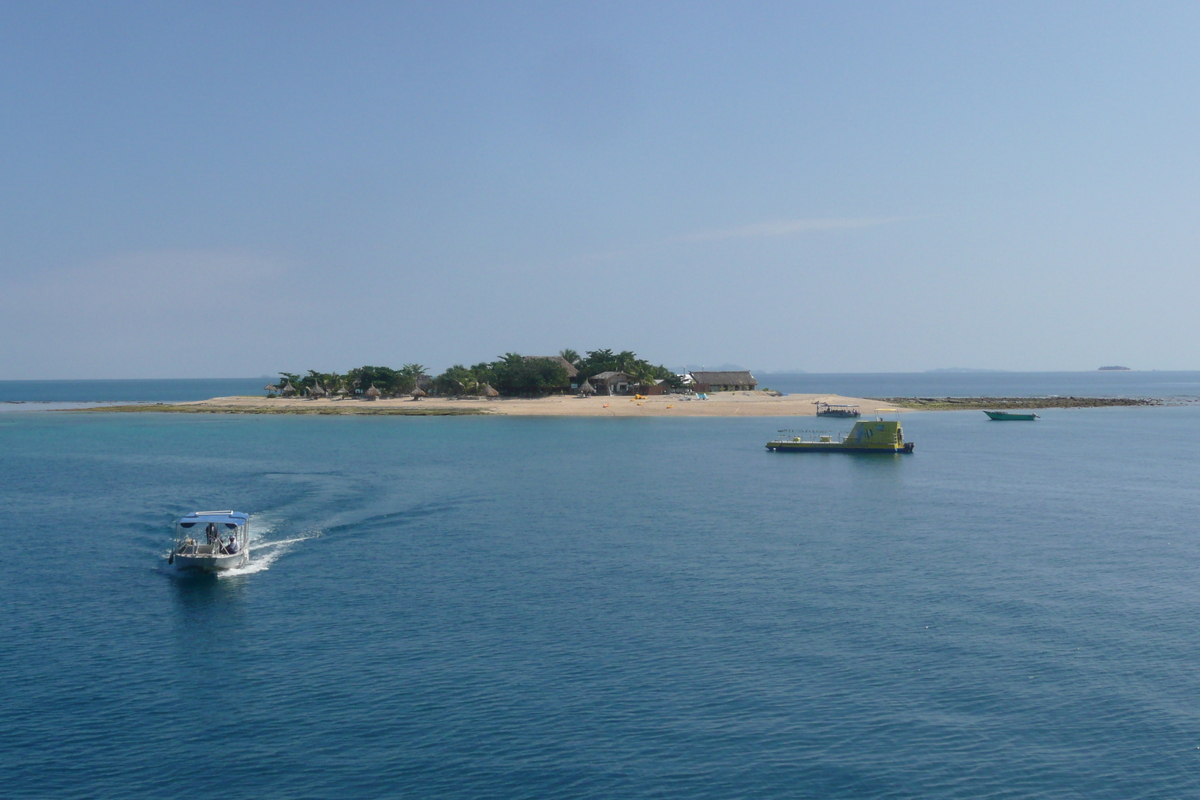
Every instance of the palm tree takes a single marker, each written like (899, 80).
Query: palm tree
(600, 356)
(409, 374)
(413, 370)
(512, 359)
(570, 356)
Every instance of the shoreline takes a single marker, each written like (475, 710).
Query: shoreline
(1012, 403)
(721, 404)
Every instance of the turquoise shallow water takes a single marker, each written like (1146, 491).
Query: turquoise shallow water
(486, 607)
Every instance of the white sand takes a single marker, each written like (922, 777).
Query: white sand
(718, 404)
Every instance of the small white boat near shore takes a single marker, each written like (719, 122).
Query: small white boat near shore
(211, 541)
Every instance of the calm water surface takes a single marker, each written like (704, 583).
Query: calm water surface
(991, 384)
(38, 395)
(487, 607)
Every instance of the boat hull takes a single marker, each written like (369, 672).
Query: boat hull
(210, 563)
(1007, 416)
(837, 447)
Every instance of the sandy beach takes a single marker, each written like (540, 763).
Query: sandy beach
(721, 404)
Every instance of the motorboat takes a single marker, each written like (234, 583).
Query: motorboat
(1008, 415)
(878, 436)
(837, 410)
(211, 541)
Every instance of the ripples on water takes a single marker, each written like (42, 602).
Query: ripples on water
(602, 608)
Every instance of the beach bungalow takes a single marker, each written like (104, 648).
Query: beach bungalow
(613, 383)
(739, 381)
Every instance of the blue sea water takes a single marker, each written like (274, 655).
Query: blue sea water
(558, 608)
(41, 395)
(1166, 384)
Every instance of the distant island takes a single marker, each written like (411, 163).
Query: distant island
(962, 370)
(1115, 369)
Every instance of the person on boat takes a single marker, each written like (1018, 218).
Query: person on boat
(232, 545)
(211, 533)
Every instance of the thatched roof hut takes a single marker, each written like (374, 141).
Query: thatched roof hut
(373, 393)
(614, 382)
(572, 370)
(417, 393)
(729, 381)
(288, 390)
(587, 389)
(488, 391)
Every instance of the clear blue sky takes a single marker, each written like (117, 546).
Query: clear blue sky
(226, 189)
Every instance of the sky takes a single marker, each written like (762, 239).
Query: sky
(201, 189)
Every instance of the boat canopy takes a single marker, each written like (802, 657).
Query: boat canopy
(230, 519)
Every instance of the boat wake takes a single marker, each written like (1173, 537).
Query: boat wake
(265, 552)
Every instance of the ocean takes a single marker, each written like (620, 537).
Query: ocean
(989, 384)
(472, 607)
(56, 395)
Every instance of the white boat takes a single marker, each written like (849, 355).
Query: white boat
(211, 541)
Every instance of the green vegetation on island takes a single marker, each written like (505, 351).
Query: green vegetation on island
(510, 375)
(325, 410)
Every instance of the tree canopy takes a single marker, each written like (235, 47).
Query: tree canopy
(511, 374)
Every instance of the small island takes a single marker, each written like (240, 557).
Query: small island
(597, 383)
(1114, 369)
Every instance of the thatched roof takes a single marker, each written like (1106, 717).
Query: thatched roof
(611, 375)
(567, 365)
(288, 390)
(488, 391)
(739, 378)
(417, 393)
(587, 388)
(374, 393)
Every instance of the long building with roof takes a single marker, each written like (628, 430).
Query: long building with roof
(735, 381)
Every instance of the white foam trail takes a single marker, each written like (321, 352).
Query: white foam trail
(286, 541)
(260, 561)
